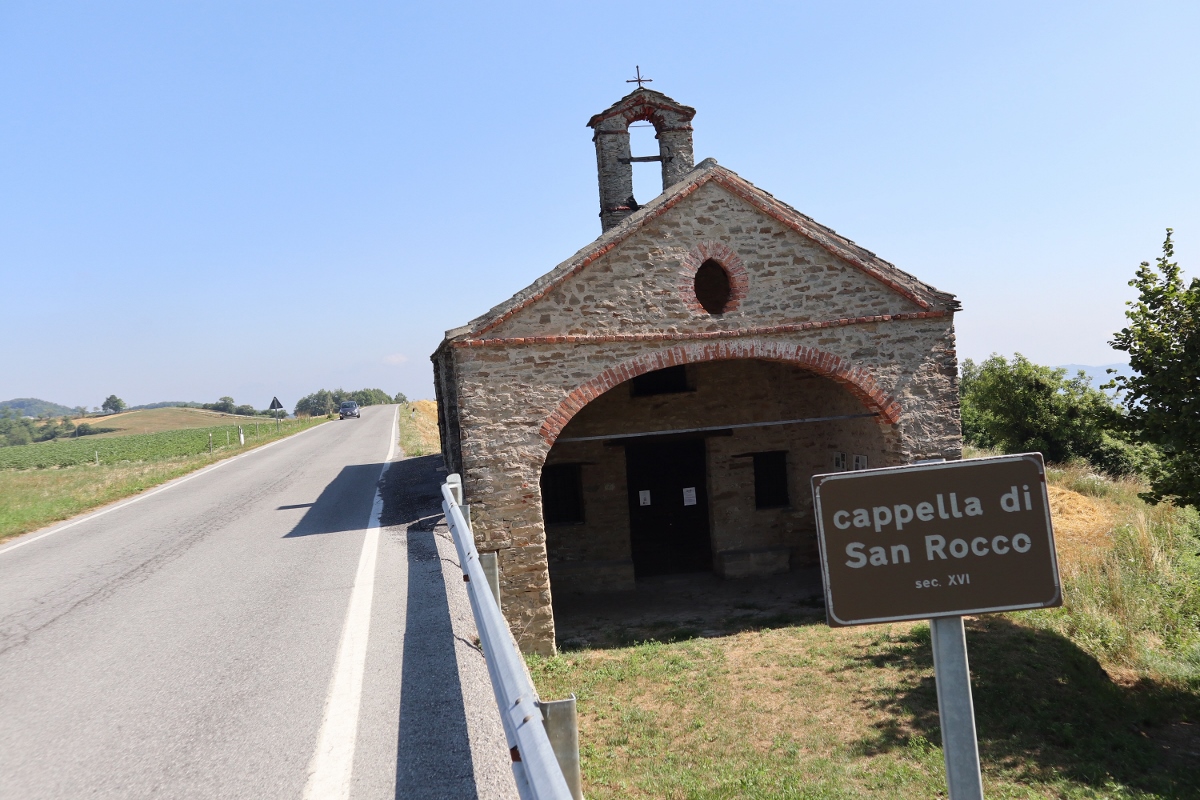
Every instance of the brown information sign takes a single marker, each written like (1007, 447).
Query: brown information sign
(932, 540)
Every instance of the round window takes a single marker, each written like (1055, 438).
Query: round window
(712, 287)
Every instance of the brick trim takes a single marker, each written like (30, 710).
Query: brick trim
(739, 279)
(739, 189)
(857, 380)
(664, 336)
(639, 107)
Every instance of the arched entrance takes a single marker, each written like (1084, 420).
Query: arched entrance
(702, 466)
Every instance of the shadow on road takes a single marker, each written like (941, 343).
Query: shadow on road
(344, 505)
(433, 754)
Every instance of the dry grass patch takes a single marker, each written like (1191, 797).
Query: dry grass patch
(419, 428)
(1083, 527)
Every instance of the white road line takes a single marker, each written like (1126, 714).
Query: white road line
(331, 764)
(141, 497)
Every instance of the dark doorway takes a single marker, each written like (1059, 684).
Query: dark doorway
(668, 507)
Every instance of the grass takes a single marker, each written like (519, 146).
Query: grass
(154, 420)
(139, 446)
(810, 712)
(1100, 698)
(33, 498)
(1135, 603)
(419, 428)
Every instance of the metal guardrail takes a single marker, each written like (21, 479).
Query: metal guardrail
(535, 765)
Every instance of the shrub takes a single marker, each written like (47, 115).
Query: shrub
(88, 429)
(1020, 406)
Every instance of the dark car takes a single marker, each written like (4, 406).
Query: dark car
(349, 409)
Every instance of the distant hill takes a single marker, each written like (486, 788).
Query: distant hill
(32, 407)
(168, 418)
(1099, 375)
(166, 404)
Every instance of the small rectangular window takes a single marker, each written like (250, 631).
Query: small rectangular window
(669, 380)
(770, 479)
(562, 494)
(860, 462)
(839, 462)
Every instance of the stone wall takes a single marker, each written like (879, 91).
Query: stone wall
(646, 282)
(524, 372)
(673, 129)
(723, 393)
(507, 396)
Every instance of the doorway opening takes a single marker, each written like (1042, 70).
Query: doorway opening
(668, 507)
(723, 450)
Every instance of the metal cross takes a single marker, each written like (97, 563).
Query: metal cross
(639, 80)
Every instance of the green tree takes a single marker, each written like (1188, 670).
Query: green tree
(15, 430)
(113, 405)
(316, 404)
(370, 397)
(326, 402)
(1162, 397)
(1020, 406)
(400, 398)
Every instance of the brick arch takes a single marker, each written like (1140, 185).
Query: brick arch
(730, 261)
(662, 118)
(857, 380)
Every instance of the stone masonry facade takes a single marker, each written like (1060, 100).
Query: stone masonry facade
(815, 326)
(594, 555)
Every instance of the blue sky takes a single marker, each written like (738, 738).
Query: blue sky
(260, 199)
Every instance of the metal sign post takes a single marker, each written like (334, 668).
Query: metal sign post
(936, 541)
(956, 710)
(276, 406)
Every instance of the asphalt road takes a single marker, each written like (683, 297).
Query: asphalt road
(202, 641)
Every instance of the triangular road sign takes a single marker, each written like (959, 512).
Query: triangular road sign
(275, 404)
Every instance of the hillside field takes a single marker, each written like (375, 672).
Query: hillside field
(154, 420)
(51, 481)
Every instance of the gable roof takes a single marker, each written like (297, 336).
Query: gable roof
(925, 296)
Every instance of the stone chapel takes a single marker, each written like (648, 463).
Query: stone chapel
(658, 402)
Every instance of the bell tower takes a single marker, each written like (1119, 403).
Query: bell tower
(673, 128)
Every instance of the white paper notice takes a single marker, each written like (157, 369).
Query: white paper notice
(644, 497)
(689, 496)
